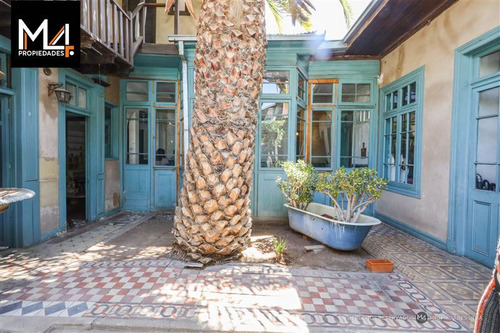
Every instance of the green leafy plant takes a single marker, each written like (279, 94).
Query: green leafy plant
(279, 247)
(354, 190)
(300, 185)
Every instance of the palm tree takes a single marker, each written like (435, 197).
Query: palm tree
(213, 216)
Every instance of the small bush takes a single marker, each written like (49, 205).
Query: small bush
(351, 192)
(300, 185)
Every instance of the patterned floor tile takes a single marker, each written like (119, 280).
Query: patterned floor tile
(427, 280)
(458, 290)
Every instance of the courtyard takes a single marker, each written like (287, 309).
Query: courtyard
(121, 274)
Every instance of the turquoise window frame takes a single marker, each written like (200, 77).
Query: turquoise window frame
(338, 142)
(300, 76)
(154, 147)
(290, 82)
(149, 87)
(417, 76)
(356, 82)
(335, 87)
(304, 120)
(155, 87)
(290, 119)
(333, 135)
(78, 85)
(115, 140)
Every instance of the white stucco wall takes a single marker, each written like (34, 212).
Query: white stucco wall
(48, 159)
(434, 46)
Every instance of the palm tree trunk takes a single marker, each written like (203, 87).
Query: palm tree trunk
(213, 217)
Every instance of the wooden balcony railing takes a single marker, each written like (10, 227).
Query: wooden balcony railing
(119, 32)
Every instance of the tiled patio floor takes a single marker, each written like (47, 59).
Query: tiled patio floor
(455, 283)
(49, 281)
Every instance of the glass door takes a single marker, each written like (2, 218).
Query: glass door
(136, 179)
(166, 158)
(484, 193)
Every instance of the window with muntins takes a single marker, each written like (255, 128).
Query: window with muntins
(403, 100)
(274, 133)
(276, 82)
(110, 132)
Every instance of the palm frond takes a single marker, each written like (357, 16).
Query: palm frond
(348, 13)
(277, 14)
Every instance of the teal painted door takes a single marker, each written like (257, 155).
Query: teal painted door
(137, 162)
(165, 158)
(483, 226)
(4, 165)
(272, 146)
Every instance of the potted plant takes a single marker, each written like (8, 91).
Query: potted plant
(300, 185)
(343, 225)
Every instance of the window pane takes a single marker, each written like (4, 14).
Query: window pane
(488, 102)
(363, 93)
(82, 98)
(413, 92)
(363, 89)
(323, 93)
(165, 92)
(354, 138)
(72, 89)
(405, 96)
(137, 136)
(411, 148)
(107, 133)
(349, 88)
(489, 64)
(409, 175)
(412, 121)
(321, 140)
(137, 91)
(276, 82)
(274, 134)
(394, 121)
(388, 102)
(395, 100)
(346, 162)
(301, 88)
(300, 135)
(321, 162)
(319, 115)
(165, 138)
(487, 140)
(486, 176)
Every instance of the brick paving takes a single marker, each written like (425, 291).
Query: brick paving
(45, 282)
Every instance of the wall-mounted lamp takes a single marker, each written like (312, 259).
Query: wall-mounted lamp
(63, 96)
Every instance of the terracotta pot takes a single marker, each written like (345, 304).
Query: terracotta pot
(379, 265)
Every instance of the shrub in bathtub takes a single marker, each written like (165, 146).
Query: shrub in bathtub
(343, 225)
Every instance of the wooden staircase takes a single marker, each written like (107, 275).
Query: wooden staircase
(110, 36)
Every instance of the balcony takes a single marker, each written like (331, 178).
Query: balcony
(110, 36)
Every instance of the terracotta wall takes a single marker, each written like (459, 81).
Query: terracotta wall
(434, 46)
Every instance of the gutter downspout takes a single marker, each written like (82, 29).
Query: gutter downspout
(185, 104)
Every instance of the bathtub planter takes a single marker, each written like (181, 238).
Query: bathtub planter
(338, 235)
